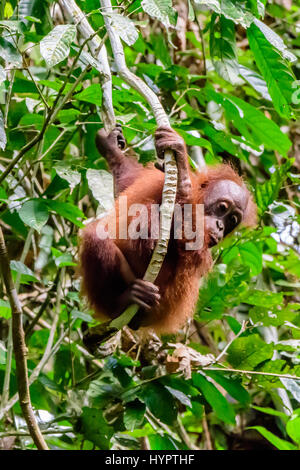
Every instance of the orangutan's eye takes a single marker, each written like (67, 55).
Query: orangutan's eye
(234, 220)
(222, 207)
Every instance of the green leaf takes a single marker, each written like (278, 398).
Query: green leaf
(134, 415)
(276, 441)
(27, 275)
(161, 10)
(249, 351)
(275, 71)
(64, 260)
(55, 47)
(32, 19)
(91, 94)
(272, 412)
(95, 428)
(257, 7)
(29, 8)
(266, 193)
(75, 314)
(124, 27)
(102, 186)
(9, 53)
(165, 442)
(34, 213)
(293, 429)
(252, 123)
(232, 386)
(275, 40)
(217, 401)
(12, 25)
(275, 315)
(223, 49)
(159, 401)
(5, 310)
(180, 396)
(251, 255)
(231, 10)
(65, 171)
(222, 286)
(193, 140)
(293, 387)
(256, 81)
(67, 210)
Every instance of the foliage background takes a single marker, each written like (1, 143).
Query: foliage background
(229, 73)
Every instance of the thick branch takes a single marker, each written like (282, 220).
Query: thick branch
(75, 15)
(170, 185)
(20, 349)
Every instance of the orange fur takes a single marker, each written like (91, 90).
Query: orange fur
(181, 271)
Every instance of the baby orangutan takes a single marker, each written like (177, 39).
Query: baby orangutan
(112, 268)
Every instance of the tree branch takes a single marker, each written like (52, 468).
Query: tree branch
(170, 185)
(74, 14)
(20, 349)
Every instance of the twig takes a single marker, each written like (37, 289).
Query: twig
(253, 372)
(206, 432)
(23, 433)
(29, 329)
(19, 349)
(9, 352)
(36, 372)
(184, 435)
(243, 328)
(202, 39)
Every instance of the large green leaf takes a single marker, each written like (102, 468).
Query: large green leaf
(91, 94)
(65, 171)
(275, 40)
(274, 315)
(248, 351)
(217, 401)
(221, 289)
(124, 27)
(279, 443)
(160, 402)
(34, 213)
(231, 10)
(134, 415)
(22, 271)
(293, 429)
(266, 193)
(256, 81)
(95, 428)
(67, 210)
(10, 53)
(275, 71)
(252, 123)
(161, 10)
(102, 186)
(232, 386)
(165, 442)
(55, 47)
(5, 309)
(223, 49)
